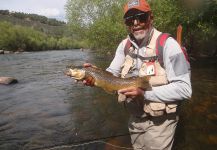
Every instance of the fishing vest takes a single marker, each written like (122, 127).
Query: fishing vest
(152, 65)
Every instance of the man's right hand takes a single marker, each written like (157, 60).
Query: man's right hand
(89, 81)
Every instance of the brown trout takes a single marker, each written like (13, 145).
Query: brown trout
(106, 80)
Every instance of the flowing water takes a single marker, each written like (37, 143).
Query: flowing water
(47, 110)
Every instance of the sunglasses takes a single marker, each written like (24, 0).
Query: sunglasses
(141, 17)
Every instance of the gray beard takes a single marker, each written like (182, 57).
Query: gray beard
(143, 37)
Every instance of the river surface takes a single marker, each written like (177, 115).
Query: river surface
(47, 110)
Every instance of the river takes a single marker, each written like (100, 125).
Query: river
(47, 110)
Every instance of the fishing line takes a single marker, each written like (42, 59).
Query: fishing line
(87, 142)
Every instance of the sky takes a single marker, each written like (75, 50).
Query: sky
(48, 8)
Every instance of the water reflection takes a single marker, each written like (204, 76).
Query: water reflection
(47, 109)
(198, 125)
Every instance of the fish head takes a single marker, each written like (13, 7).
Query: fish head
(77, 74)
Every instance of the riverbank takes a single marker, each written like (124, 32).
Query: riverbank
(10, 52)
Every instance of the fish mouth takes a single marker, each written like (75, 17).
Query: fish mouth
(77, 74)
(67, 72)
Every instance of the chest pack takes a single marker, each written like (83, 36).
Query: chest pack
(150, 108)
(160, 42)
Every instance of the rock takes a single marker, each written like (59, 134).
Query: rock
(8, 80)
(1, 51)
(17, 52)
(7, 52)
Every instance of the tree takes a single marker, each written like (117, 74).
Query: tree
(15, 37)
(100, 22)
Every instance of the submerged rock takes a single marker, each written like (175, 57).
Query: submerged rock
(8, 80)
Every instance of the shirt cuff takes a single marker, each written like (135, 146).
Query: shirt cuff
(149, 95)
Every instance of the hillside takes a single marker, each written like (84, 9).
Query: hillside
(31, 32)
(43, 24)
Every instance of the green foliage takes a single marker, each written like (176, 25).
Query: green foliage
(18, 38)
(31, 32)
(108, 30)
(166, 15)
(200, 26)
(198, 19)
(33, 17)
(46, 28)
(100, 22)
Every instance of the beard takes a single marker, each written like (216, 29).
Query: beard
(140, 35)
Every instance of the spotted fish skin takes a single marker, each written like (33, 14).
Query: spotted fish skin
(106, 80)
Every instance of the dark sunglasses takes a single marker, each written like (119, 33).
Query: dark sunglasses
(141, 17)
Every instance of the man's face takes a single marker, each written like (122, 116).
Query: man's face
(138, 23)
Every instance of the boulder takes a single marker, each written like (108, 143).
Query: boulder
(7, 52)
(8, 80)
(1, 51)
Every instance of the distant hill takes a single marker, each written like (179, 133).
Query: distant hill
(41, 23)
(31, 32)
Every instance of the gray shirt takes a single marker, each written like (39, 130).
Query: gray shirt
(175, 64)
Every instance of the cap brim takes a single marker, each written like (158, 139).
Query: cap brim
(133, 11)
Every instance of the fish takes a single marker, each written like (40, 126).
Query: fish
(107, 80)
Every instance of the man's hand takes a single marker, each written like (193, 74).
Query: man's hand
(88, 81)
(132, 92)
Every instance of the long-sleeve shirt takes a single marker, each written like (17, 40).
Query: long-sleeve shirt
(175, 64)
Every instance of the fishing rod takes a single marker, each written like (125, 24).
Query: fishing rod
(179, 35)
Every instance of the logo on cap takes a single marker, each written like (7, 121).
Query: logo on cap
(133, 3)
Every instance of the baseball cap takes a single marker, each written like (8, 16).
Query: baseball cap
(141, 5)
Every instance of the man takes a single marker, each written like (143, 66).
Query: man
(154, 118)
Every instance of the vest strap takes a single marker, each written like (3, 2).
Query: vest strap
(159, 47)
(135, 56)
